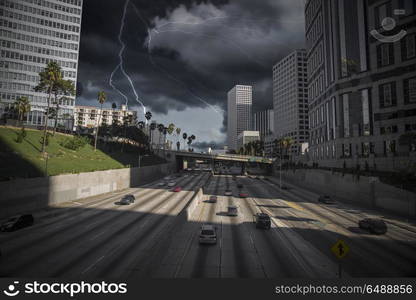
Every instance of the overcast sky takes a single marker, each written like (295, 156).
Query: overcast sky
(183, 56)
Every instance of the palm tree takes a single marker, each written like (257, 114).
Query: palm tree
(49, 78)
(184, 136)
(152, 128)
(286, 143)
(161, 128)
(148, 117)
(22, 105)
(65, 88)
(101, 97)
(140, 125)
(178, 132)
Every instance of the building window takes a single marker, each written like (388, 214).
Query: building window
(366, 112)
(387, 94)
(410, 90)
(385, 55)
(389, 146)
(346, 109)
(408, 46)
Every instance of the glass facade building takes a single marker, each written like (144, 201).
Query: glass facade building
(33, 33)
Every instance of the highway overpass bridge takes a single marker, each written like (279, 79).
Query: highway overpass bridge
(185, 158)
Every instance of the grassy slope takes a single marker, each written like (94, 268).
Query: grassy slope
(25, 159)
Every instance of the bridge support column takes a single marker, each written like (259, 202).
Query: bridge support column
(243, 168)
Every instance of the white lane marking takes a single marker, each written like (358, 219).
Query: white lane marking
(97, 235)
(96, 262)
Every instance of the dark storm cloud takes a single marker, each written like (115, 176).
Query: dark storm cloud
(236, 42)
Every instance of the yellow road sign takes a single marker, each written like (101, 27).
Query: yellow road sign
(340, 249)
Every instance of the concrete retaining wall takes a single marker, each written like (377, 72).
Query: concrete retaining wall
(368, 191)
(197, 198)
(22, 195)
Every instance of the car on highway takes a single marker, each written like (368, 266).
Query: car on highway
(240, 186)
(228, 193)
(243, 195)
(208, 234)
(162, 183)
(284, 187)
(262, 220)
(17, 222)
(171, 184)
(129, 197)
(212, 199)
(326, 199)
(123, 201)
(373, 225)
(232, 211)
(177, 189)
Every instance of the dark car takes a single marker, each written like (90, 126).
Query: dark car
(17, 222)
(326, 199)
(240, 186)
(262, 220)
(129, 197)
(376, 226)
(212, 199)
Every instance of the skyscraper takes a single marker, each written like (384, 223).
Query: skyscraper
(239, 113)
(362, 89)
(290, 101)
(264, 122)
(33, 33)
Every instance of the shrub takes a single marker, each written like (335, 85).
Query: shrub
(21, 135)
(75, 143)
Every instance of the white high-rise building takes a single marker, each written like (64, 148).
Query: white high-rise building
(239, 113)
(290, 99)
(33, 33)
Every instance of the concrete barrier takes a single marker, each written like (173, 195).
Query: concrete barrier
(195, 201)
(366, 191)
(23, 195)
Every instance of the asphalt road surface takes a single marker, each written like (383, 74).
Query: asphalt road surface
(155, 238)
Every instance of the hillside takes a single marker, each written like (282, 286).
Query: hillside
(25, 159)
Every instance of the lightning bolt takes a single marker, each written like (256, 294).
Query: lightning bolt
(181, 83)
(120, 65)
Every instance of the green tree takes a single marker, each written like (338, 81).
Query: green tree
(49, 79)
(62, 90)
(22, 105)
(101, 97)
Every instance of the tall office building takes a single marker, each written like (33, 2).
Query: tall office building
(33, 33)
(362, 88)
(264, 122)
(239, 113)
(290, 99)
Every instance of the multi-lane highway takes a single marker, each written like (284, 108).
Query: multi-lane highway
(155, 237)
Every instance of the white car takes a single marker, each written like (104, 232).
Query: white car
(228, 193)
(171, 184)
(162, 183)
(208, 235)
